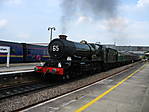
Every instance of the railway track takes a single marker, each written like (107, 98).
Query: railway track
(19, 83)
(9, 89)
(9, 80)
(24, 88)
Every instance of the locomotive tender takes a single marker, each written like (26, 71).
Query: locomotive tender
(68, 58)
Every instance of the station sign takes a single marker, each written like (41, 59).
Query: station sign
(4, 49)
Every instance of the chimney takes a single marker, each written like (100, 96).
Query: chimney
(63, 37)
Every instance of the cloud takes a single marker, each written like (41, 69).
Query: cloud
(84, 19)
(3, 23)
(142, 3)
(138, 27)
(128, 32)
(117, 24)
(115, 29)
(121, 30)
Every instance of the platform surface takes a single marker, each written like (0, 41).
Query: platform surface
(17, 67)
(132, 95)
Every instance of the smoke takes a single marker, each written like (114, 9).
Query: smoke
(97, 9)
(68, 10)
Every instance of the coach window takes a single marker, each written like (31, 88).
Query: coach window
(13, 51)
(45, 52)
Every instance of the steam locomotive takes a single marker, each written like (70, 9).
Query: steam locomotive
(68, 58)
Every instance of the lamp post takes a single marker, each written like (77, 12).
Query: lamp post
(51, 29)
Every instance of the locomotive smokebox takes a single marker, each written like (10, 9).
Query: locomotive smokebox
(63, 37)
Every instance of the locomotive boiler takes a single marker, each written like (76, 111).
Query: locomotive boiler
(64, 49)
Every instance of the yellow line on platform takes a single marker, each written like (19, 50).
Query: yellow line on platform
(108, 91)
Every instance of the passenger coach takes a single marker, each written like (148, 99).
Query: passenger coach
(22, 52)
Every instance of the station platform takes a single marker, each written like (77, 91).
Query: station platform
(124, 92)
(17, 67)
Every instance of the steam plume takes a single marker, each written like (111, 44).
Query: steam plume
(97, 9)
(68, 9)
